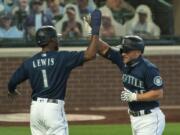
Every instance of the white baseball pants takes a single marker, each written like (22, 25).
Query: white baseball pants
(48, 118)
(150, 124)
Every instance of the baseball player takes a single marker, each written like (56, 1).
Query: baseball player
(143, 85)
(48, 72)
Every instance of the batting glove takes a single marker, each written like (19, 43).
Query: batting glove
(95, 21)
(128, 96)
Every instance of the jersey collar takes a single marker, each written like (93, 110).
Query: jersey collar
(134, 62)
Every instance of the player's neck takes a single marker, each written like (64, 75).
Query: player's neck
(47, 49)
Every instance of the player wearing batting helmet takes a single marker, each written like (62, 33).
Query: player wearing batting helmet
(143, 85)
(48, 72)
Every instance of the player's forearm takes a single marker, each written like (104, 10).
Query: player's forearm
(11, 86)
(150, 96)
(90, 53)
(102, 47)
(18, 77)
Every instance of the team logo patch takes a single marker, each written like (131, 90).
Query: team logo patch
(157, 81)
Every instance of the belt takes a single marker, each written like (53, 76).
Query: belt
(139, 113)
(45, 100)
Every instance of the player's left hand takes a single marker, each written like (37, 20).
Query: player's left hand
(128, 96)
(13, 95)
(95, 21)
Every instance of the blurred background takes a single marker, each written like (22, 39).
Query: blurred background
(94, 88)
(156, 21)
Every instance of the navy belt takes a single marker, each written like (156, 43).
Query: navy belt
(139, 113)
(48, 100)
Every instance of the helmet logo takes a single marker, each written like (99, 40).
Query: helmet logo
(41, 33)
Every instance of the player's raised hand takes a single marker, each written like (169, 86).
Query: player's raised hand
(95, 21)
(128, 96)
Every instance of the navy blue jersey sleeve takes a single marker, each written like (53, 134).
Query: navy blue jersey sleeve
(153, 80)
(74, 59)
(115, 57)
(19, 76)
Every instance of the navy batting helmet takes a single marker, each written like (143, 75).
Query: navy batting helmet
(132, 42)
(44, 34)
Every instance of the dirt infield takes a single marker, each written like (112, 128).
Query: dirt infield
(97, 117)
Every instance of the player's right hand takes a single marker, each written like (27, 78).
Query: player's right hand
(95, 21)
(128, 96)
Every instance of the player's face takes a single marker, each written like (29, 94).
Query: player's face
(56, 45)
(128, 56)
(56, 48)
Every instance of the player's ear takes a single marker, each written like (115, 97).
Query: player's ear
(54, 40)
(140, 52)
(51, 40)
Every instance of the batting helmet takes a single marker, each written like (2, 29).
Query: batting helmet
(44, 34)
(132, 42)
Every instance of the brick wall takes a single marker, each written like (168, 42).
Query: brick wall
(96, 84)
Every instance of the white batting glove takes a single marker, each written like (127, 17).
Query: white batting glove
(128, 96)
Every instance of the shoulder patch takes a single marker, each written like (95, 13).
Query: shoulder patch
(157, 81)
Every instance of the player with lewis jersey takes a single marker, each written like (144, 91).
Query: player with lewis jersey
(48, 72)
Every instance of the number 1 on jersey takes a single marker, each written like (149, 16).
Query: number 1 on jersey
(45, 81)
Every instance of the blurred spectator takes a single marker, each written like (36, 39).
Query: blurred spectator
(91, 5)
(1, 7)
(118, 28)
(55, 10)
(71, 28)
(36, 19)
(21, 11)
(65, 18)
(107, 28)
(121, 10)
(85, 7)
(142, 24)
(163, 11)
(7, 29)
(22, 5)
(9, 5)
